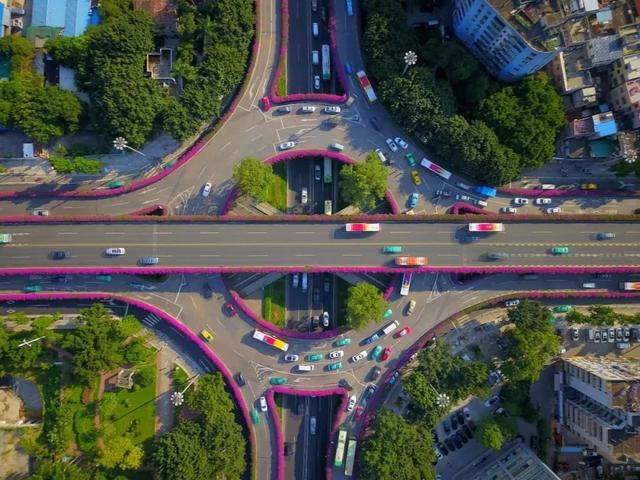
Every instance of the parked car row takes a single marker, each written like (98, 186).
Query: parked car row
(609, 334)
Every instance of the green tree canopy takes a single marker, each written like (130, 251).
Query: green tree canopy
(363, 184)
(364, 303)
(397, 450)
(59, 470)
(120, 452)
(424, 396)
(530, 315)
(490, 435)
(253, 178)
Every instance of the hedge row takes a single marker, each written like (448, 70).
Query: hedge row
(462, 208)
(568, 192)
(334, 428)
(337, 65)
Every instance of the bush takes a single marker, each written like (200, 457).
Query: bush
(75, 165)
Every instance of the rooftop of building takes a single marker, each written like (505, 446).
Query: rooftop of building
(608, 368)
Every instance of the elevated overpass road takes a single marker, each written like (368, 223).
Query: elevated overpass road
(318, 244)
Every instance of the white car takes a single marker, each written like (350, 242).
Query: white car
(206, 190)
(467, 413)
(332, 109)
(312, 425)
(325, 319)
(521, 201)
(41, 213)
(336, 354)
(465, 198)
(114, 251)
(304, 196)
(392, 145)
(291, 357)
(352, 403)
(554, 210)
(511, 303)
(491, 402)
(358, 357)
(263, 404)
(308, 109)
(316, 82)
(542, 201)
(317, 172)
(294, 280)
(287, 145)
(438, 454)
(404, 145)
(508, 210)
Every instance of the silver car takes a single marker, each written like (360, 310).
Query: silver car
(336, 354)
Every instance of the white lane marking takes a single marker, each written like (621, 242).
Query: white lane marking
(258, 255)
(114, 233)
(163, 233)
(470, 299)
(542, 231)
(632, 232)
(147, 190)
(403, 232)
(150, 201)
(448, 255)
(209, 255)
(73, 207)
(164, 256)
(257, 233)
(119, 204)
(305, 233)
(209, 233)
(305, 255)
(67, 233)
(351, 254)
(225, 146)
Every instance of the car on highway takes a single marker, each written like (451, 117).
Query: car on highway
(263, 404)
(347, 68)
(508, 210)
(401, 143)
(313, 357)
(511, 303)
(358, 413)
(375, 353)
(316, 82)
(392, 249)
(403, 332)
(411, 160)
(284, 109)
(277, 380)
(286, 145)
(41, 213)
(115, 184)
(308, 109)
(317, 172)
(32, 288)
(605, 235)
(410, 261)
(312, 425)
(334, 366)
(104, 278)
(491, 401)
(336, 354)
(391, 144)
(240, 380)
(149, 261)
(352, 403)
(497, 255)
(206, 190)
(385, 354)
(325, 319)
(415, 176)
(60, 254)
(266, 104)
(291, 357)
(304, 196)
(413, 199)
(411, 307)
(359, 356)
(341, 342)
(115, 251)
(521, 201)
(289, 449)
(462, 197)
(331, 109)
(542, 201)
(255, 418)
(588, 186)
(554, 210)
(206, 334)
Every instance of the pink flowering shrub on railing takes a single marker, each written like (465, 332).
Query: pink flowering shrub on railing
(567, 192)
(306, 393)
(460, 208)
(393, 281)
(282, 54)
(147, 211)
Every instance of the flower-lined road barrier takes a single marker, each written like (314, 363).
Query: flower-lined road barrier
(176, 324)
(461, 208)
(334, 428)
(292, 155)
(282, 56)
(567, 192)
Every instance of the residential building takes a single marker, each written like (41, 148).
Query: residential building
(514, 462)
(72, 17)
(593, 127)
(163, 12)
(602, 404)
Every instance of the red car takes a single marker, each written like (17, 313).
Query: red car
(358, 413)
(231, 310)
(402, 332)
(385, 354)
(266, 104)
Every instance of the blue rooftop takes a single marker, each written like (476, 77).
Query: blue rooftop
(70, 15)
(606, 128)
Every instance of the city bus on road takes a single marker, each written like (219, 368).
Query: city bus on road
(406, 283)
(351, 456)
(366, 86)
(434, 168)
(270, 340)
(362, 227)
(340, 448)
(326, 63)
(5, 238)
(629, 286)
(486, 227)
(411, 261)
(328, 177)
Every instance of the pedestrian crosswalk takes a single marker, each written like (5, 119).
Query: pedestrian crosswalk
(151, 320)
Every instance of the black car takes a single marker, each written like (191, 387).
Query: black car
(443, 450)
(467, 431)
(207, 290)
(316, 295)
(454, 422)
(344, 383)
(59, 278)
(240, 380)
(450, 445)
(460, 416)
(60, 254)
(375, 125)
(455, 439)
(472, 425)
(461, 437)
(375, 373)
(445, 426)
(289, 449)
(327, 284)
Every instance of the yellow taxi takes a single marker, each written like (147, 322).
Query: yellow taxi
(206, 334)
(588, 186)
(415, 177)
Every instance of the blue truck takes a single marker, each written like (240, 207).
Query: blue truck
(486, 191)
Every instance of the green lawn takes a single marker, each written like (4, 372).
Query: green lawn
(342, 288)
(83, 417)
(281, 85)
(277, 193)
(273, 304)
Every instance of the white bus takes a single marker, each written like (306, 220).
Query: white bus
(351, 456)
(486, 227)
(270, 340)
(629, 286)
(437, 169)
(326, 63)
(406, 283)
(342, 443)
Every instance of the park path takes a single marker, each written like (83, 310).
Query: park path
(164, 389)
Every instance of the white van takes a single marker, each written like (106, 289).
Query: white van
(315, 57)
(480, 203)
(314, 28)
(337, 146)
(589, 285)
(381, 156)
(305, 368)
(547, 186)
(591, 335)
(304, 282)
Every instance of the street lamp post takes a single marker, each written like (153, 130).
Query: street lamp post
(177, 398)
(120, 143)
(410, 58)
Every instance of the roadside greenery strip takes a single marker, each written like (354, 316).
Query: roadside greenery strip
(56, 296)
(306, 393)
(282, 54)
